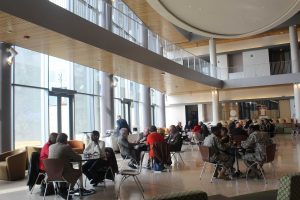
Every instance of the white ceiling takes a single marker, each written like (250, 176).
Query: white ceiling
(226, 18)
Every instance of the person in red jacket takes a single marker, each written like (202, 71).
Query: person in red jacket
(45, 150)
(153, 138)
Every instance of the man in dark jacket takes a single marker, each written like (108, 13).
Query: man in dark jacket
(122, 123)
(174, 139)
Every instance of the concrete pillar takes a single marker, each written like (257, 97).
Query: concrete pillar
(215, 106)
(5, 100)
(161, 110)
(294, 48)
(297, 101)
(146, 107)
(212, 57)
(201, 112)
(107, 102)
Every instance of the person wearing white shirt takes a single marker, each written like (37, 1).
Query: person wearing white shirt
(92, 168)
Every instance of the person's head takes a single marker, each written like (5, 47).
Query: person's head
(153, 129)
(237, 125)
(95, 136)
(215, 130)
(146, 131)
(52, 138)
(172, 129)
(224, 131)
(161, 131)
(179, 124)
(119, 117)
(219, 125)
(200, 123)
(124, 132)
(253, 128)
(62, 138)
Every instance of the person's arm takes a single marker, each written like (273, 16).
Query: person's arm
(249, 142)
(88, 149)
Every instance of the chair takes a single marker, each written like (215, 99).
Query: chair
(289, 187)
(126, 173)
(173, 153)
(270, 156)
(54, 173)
(77, 146)
(13, 165)
(30, 150)
(206, 153)
(107, 170)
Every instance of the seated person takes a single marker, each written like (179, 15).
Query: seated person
(127, 149)
(174, 139)
(188, 127)
(224, 135)
(179, 127)
(45, 150)
(219, 155)
(238, 130)
(153, 138)
(142, 141)
(92, 167)
(255, 147)
(61, 150)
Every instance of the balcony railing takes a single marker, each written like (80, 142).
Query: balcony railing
(114, 20)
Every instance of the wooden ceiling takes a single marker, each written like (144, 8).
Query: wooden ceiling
(42, 40)
(155, 21)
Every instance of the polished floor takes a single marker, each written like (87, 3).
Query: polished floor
(183, 177)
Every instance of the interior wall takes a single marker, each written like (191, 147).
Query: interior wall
(175, 114)
(284, 109)
(256, 63)
(236, 94)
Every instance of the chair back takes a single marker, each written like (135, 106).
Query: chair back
(205, 153)
(270, 152)
(141, 160)
(238, 138)
(77, 146)
(54, 169)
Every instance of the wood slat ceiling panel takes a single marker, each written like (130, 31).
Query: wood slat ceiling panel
(42, 40)
(155, 21)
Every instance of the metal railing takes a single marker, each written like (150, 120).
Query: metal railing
(114, 20)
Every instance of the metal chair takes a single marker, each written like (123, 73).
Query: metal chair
(206, 153)
(106, 169)
(173, 154)
(270, 156)
(54, 173)
(126, 173)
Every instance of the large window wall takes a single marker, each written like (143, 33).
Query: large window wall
(34, 75)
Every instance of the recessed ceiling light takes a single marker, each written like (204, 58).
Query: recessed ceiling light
(281, 32)
(163, 73)
(26, 36)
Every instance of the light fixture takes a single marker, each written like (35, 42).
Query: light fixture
(115, 81)
(12, 53)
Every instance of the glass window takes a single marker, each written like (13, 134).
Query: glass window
(97, 101)
(31, 68)
(84, 115)
(30, 114)
(83, 77)
(60, 73)
(97, 86)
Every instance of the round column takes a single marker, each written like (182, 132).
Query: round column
(297, 101)
(215, 106)
(212, 57)
(146, 107)
(294, 48)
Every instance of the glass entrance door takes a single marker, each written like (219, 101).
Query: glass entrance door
(61, 113)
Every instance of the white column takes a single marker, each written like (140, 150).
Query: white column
(212, 57)
(215, 106)
(297, 101)
(294, 48)
(161, 111)
(146, 107)
(107, 102)
(201, 114)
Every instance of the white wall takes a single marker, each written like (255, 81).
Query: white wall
(175, 114)
(256, 63)
(222, 63)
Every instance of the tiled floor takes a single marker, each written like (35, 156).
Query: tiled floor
(183, 177)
